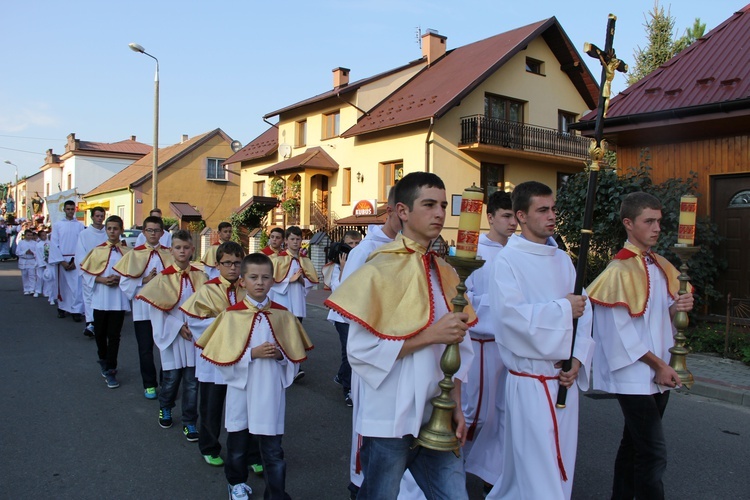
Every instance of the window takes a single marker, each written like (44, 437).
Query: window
(564, 120)
(214, 170)
(259, 188)
(503, 108)
(121, 211)
(492, 178)
(346, 186)
(70, 181)
(741, 199)
(331, 125)
(534, 66)
(391, 173)
(301, 138)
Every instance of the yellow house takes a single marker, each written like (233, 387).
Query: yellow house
(193, 184)
(494, 113)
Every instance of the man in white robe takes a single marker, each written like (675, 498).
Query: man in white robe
(534, 306)
(92, 236)
(483, 396)
(397, 356)
(65, 237)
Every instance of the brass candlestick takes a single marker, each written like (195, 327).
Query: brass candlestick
(438, 434)
(679, 352)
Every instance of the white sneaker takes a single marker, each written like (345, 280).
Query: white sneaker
(240, 491)
(36, 295)
(52, 302)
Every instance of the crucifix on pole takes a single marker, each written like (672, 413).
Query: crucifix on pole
(610, 64)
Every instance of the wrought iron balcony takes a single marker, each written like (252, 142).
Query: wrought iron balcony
(479, 129)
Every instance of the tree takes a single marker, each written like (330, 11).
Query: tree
(662, 42)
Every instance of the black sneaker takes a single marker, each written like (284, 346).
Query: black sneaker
(112, 382)
(61, 313)
(348, 400)
(165, 418)
(89, 330)
(300, 375)
(77, 317)
(190, 432)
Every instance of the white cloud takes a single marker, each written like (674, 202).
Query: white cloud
(19, 118)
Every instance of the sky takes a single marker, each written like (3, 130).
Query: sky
(66, 66)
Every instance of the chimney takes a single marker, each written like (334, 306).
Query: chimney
(184, 138)
(132, 138)
(433, 46)
(340, 77)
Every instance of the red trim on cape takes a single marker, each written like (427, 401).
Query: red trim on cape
(267, 251)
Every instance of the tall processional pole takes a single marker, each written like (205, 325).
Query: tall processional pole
(610, 64)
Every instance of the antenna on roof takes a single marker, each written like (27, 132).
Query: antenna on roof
(418, 34)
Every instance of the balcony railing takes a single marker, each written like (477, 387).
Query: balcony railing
(513, 135)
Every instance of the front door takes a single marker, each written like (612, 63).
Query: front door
(730, 210)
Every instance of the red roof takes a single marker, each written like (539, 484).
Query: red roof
(714, 69)
(312, 158)
(438, 88)
(126, 146)
(263, 145)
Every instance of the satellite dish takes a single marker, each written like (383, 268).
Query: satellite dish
(236, 146)
(285, 150)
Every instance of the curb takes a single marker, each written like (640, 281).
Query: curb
(710, 389)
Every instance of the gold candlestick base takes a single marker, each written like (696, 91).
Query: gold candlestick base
(679, 352)
(439, 434)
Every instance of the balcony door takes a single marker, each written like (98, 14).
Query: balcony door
(499, 111)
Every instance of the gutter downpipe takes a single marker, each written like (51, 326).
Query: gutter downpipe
(427, 145)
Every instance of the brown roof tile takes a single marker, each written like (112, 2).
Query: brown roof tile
(438, 88)
(126, 146)
(311, 158)
(714, 69)
(263, 145)
(140, 171)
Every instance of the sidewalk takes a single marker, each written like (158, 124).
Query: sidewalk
(715, 377)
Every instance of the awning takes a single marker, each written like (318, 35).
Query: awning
(314, 158)
(185, 211)
(363, 220)
(266, 202)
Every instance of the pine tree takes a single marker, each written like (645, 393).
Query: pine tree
(662, 42)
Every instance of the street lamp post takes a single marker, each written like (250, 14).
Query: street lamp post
(15, 188)
(154, 174)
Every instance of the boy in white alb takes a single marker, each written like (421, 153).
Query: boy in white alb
(633, 333)
(25, 251)
(202, 308)
(93, 235)
(138, 268)
(109, 303)
(483, 396)
(165, 239)
(294, 276)
(397, 355)
(210, 264)
(65, 238)
(44, 286)
(257, 345)
(165, 294)
(533, 305)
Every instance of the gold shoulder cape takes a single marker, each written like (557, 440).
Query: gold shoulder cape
(133, 264)
(391, 294)
(96, 261)
(226, 340)
(209, 259)
(625, 281)
(282, 263)
(163, 292)
(212, 298)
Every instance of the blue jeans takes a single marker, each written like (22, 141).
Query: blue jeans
(439, 474)
(171, 384)
(272, 456)
(345, 369)
(642, 457)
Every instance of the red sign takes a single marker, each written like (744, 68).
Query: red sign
(365, 207)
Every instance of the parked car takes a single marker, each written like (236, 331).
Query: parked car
(129, 236)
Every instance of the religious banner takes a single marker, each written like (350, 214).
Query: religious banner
(55, 203)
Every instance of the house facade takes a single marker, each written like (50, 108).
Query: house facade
(692, 115)
(493, 113)
(192, 183)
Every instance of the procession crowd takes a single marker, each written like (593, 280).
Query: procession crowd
(232, 336)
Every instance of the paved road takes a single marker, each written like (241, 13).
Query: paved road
(65, 435)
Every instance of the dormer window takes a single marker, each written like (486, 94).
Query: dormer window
(534, 66)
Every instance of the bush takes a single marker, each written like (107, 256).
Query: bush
(609, 233)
